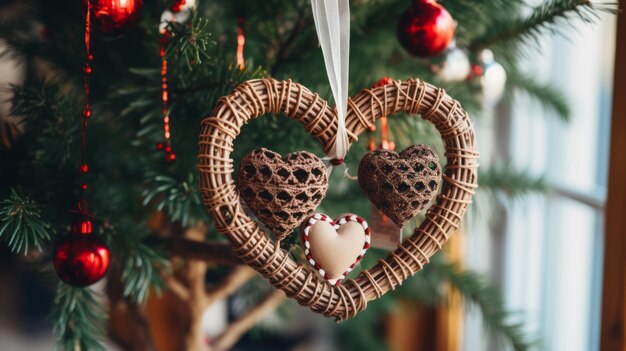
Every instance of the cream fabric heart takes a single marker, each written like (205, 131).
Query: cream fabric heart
(334, 247)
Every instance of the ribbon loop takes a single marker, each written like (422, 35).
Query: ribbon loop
(332, 23)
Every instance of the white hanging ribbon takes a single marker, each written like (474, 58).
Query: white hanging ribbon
(332, 23)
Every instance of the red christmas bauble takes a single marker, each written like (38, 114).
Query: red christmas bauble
(178, 5)
(81, 258)
(114, 17)
(426, 28)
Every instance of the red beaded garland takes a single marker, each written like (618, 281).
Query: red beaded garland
(80, 258)
(241, 41)
(177, 6)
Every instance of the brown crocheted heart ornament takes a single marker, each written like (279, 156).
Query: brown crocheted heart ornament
(282, 191)
(400, 185)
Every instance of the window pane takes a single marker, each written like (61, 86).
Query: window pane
(551, 267)
(572, 239)
(583, 70)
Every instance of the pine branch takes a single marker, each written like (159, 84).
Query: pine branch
(33, 103)
(512, 183)
(190, 40)
(180, 199)
(140, 265)
(504, 185)
(303, 20)
(78, 319)
(50, 117)
(475, 289)
(550, 97)
(223, 79)
(22, 225)
(548, 18)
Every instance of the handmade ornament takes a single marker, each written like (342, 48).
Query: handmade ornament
(80, 258)
(166, 145)
(426, 28)
(114, 17)
(335, 129)
(335, 247)
(282, 192)
(256, 98)
(400, 185)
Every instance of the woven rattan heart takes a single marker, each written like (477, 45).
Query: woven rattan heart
(258, 97)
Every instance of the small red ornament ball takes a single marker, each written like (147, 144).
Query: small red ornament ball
(178, 5)
(114, 17)
(81, 258)
(426, 28)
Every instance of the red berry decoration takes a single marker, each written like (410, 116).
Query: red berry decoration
(426, 28)
(81, 258)
(114, 17)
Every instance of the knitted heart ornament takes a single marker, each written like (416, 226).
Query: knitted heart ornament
(282, 192)
(400, 185)
(256, 248)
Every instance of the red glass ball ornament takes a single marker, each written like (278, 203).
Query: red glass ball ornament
(114, 17)
(178, 5)
(426, 28)
(81, 258)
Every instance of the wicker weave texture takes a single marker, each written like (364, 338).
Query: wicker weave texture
(258, 97)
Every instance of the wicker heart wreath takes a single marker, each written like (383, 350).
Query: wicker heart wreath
(258, 97)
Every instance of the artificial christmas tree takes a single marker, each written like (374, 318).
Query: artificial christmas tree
(160, 235)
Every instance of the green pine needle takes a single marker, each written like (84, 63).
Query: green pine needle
(22, 225)
(181, 199)
(139, 263)
(191, 40)
(78, 318)
(504, 185)
(476, 290)
(511, 182)
(550, 97)
(550, 17)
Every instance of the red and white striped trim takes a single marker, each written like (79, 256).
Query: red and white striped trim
(336, 223)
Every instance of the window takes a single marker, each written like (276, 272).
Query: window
(547, 252)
